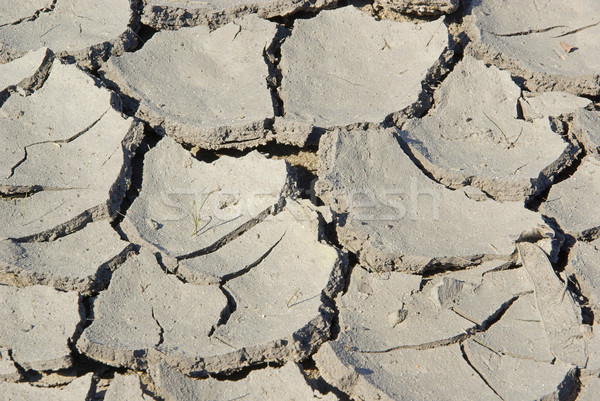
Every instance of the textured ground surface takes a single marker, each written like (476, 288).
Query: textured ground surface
(299, 200)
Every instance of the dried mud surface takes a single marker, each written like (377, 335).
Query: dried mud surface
(290, 199)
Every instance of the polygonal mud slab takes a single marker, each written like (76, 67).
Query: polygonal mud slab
(146, 314)
(38, 325)
(25, 73)
(274, 312)
(395, 217)
(395, 343)
(280, 308)
(284, 383)
(418, 7)
(210, 90)
(592, 341)
(126, 388)
(221, 223)
(169, 14)
(66, 155)
(559, 314)
(398, 320)
(586, 128)
(551, 44)
(235, 257)
(471, 300)
(86, 31)
(187, 207)
(474, 138)
(354, 364)
(77, 390)
(540, 105)
(584, 261)
(82, 261)
(344, 67)
(436, 373)
(497, 291)
(522, 379)
(573, 202)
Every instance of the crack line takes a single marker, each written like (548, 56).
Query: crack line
(466, 358)
(272, 58)
(252, 265)
(225, 315)
(58, 141)
(271, 210)
(238, 32)
(34, 16)
(530, 31)
(421, 347)
(485, 325)
(161, 333)
(578, 30)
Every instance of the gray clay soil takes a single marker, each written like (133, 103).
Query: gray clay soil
(299, 200)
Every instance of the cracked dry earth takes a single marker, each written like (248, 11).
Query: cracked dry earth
(299, 199)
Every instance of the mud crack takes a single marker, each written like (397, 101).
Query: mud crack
(34, 16)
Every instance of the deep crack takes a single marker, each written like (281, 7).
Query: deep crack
(252, 265)
(161, 332)
(34, 16)
(225, 314)
(271, 210)
(272, 57)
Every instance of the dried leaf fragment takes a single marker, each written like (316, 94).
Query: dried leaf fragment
(567, 47)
